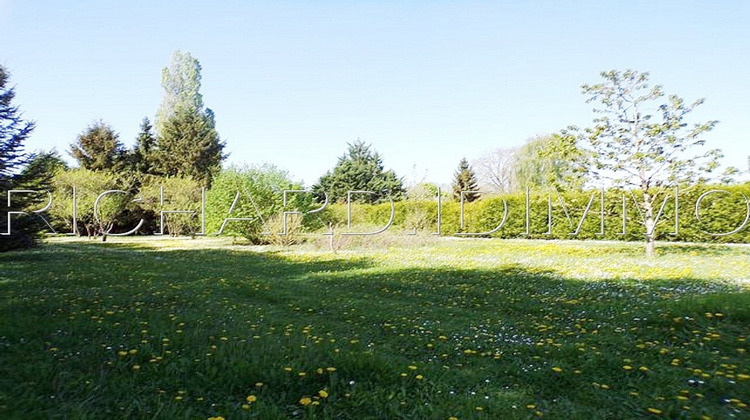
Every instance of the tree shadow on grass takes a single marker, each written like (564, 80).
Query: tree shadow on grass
(473, 333)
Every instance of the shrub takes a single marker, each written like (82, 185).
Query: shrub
(719, 213)
(89, 185)
(251, 196)
(179, 195)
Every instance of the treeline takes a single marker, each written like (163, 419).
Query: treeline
(183, 148)
(251, 202)
(171, 181)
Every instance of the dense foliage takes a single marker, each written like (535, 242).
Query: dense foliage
(25, 227)
(142, 159)
(719, 212)
(187, 143)
(243, 200)
(189, 146)
(75, 194)
(359, 169)
(99, 148)
(465, 181)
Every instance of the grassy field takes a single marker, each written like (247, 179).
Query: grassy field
(471, 329)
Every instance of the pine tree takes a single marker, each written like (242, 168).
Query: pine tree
(142, 157)
(98, 148)
(465, 180)
(359, 169)
(25, 229)
(189, 146)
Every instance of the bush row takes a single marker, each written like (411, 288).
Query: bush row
(723, 209)
(260, 203)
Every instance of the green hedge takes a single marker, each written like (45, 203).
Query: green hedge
(719, 213)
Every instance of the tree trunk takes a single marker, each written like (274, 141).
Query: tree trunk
(650, 246)
(649, 218)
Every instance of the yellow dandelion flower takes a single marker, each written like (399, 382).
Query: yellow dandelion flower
(557, 369)
(122, 353)
(412, 367)
(419, 377)
(245, 406)
(259, 384)
(251, 398)
(322, 393)
(654, 410)
(331, 369)
(627, 367)
(305, 401)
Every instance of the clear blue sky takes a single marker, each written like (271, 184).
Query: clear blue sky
(291, 82)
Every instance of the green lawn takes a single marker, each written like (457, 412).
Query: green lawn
(491, 329)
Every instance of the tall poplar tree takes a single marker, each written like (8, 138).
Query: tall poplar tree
(187, 142)
(181, 82)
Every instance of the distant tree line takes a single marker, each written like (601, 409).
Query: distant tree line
(175, 165)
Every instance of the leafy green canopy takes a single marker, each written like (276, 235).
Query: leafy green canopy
(641, 142)
(359, 169)
(250, 196)
(551, 161)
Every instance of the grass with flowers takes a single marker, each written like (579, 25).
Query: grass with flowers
(441, 329)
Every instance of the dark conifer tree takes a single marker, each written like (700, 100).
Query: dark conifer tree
(465, 180)
(99, 148)
(359, 169)
(16, 173)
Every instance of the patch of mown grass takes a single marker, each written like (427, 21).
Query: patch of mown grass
(471, 329)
